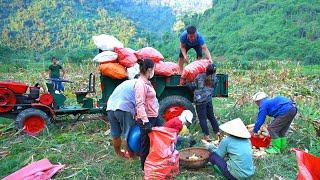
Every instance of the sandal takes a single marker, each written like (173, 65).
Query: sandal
(127, 154)
(206, 138)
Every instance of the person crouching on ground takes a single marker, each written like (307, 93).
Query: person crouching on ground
(147, 106)
(120, 112)
(203, 87)
(237, 147)
(177, 123)
(283, 110)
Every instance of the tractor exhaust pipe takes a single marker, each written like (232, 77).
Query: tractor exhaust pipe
(92, 83)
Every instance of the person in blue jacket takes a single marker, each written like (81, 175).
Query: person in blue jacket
(283, 110)
(192, 39)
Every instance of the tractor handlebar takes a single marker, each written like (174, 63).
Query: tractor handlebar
(59, 80)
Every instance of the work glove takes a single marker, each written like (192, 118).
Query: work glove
(146, 127)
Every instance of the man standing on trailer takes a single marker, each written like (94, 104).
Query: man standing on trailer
(191, 38)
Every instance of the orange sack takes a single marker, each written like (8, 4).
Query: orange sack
(149, 53)
(191, 71)
(113, 70)
(126, 56)
(163, 160)
(166, 68)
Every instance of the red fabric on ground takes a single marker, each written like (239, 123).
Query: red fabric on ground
(309, 165)
(39, 170)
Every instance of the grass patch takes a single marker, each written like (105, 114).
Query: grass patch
(88, 153)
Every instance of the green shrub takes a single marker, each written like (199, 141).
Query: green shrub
(313, 57)
(256, 54)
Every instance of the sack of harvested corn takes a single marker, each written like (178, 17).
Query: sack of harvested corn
(113, 70)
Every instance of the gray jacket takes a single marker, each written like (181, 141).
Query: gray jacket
(202, 93)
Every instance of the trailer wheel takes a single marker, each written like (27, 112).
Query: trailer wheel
(32, 121)
(172, 106)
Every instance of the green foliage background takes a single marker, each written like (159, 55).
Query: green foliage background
(256, 42)
(243, 30)
(236, 30)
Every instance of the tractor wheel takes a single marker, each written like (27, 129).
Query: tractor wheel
(32, 121)
(172, 106)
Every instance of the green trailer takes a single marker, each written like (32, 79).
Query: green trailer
(34, 111)
(173, 97)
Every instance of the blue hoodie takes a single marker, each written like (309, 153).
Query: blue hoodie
(275, 107)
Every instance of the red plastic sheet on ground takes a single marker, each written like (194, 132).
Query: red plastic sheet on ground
(149, 53)
(166, 68)
(126, 57)
(113, 70)
(309, 165)
(163, 160)
(191, 71)
(39, 170)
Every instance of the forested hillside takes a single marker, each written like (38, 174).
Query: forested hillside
(236, 30)
(60, 26)
(262, 29)
(261, 45)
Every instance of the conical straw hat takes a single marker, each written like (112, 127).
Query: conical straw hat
(236, 128)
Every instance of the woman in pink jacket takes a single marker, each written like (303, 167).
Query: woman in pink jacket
(147, 106)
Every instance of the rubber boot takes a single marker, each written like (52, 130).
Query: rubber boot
(283, 144)
(117, 146)
(276, 146)
(217, 170)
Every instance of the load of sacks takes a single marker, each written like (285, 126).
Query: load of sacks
(191, 71)
(119, 62)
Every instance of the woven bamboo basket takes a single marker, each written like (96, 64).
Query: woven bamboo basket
(200, 152)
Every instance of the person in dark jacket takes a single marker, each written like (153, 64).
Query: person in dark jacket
(283, 110)
(203, 87)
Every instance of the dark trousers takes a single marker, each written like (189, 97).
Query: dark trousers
(185, 142)
(280, 125)
(205, 111)
(57, 84)
(215, 159)
(198, 50)
(145, 140)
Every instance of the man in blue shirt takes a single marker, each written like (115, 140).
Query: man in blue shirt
(120, 112)
(192, 39)
(283, 110)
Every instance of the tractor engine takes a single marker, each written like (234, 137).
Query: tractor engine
(34, 93)
(13, 94)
